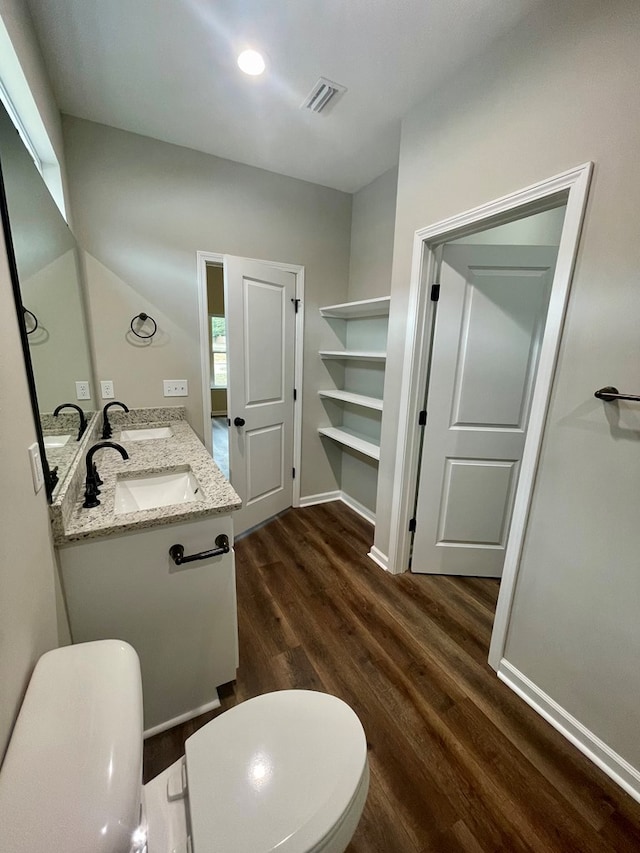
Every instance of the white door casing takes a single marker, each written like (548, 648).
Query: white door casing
(570, 187)
(488, 328)
(260, 308)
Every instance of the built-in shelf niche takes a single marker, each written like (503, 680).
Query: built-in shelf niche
(357, 406)
(355, 399)
(378, 307)
(355, 355)
(349, 438)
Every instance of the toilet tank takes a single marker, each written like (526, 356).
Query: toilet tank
(72, 775)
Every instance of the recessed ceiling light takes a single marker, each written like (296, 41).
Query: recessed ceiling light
(251, 62)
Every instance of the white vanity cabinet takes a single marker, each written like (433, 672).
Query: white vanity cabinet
(181, 620)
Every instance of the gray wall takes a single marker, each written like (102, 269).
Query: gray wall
(27, 564)
(17, 21)
(372, 228)
(540, 229)
(143, 208)
(560, 90)
(29, 595)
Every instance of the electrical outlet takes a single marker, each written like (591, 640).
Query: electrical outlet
(35, 461)
(83, 391)
(106, 388)
(176, 388)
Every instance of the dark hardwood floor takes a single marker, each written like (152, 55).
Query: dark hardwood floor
(220, 443)
(458, 761)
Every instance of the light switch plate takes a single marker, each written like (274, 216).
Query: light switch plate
(83, 391)
(176, 388)
(35, 462)
(106, 388)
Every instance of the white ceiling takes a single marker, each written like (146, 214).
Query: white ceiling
(167, 69)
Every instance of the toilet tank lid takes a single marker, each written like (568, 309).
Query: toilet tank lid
(71, 778)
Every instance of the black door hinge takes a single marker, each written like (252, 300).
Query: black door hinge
(422, 418)
(296, 303)
(435, 292)
(412, 526)
(295, 394)
(293, 473)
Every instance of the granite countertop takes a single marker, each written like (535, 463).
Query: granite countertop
(62, 458)
(182, 451)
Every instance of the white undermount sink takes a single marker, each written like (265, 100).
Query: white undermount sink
(145, 434)
(52, 442)
(155, 490)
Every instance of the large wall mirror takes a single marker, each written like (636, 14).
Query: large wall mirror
(44, 255)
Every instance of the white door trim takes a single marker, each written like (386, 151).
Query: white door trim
(203, 325)
(203, 258)
(571, 186)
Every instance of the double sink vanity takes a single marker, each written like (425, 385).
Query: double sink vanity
(122, 571)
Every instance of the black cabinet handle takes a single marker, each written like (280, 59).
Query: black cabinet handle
(176, 552)
(238, 421)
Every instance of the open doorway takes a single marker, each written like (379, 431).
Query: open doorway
(488, 320)
(217, 328)
(251, 341)
(571, 189)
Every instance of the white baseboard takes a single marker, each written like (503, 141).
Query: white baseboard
(322, 498)
(379, 558)
(352, 503)
(182, 718)
(221, 414)
(356, 506)
(622, 773)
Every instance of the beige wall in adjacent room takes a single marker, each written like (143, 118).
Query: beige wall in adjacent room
(215, 289)
(143, 209)
(215, 304)
(560, 90)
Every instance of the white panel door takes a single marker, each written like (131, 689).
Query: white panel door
(488, 328)
(261, 328)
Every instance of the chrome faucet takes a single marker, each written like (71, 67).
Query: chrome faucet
(107, 432)
(83, 420)
(93, 481)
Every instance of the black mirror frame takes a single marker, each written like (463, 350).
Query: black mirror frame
(49, 482)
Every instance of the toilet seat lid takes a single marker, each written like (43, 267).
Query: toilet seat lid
(274, 773)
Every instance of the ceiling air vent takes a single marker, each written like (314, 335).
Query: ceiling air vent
(322, 94)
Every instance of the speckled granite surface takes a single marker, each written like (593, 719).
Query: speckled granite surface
(65, 457)
(137, 417)
(66, 421)
(183, 451)
(62, 458)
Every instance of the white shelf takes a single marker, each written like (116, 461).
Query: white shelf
(378, 307)
(360, 355)
(356, 399)
(351, 439)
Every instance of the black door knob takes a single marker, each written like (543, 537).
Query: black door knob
(238, 421)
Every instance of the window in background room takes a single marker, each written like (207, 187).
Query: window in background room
(218, 351)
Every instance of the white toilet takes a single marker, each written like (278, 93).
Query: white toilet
(283, 772)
